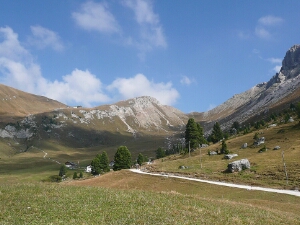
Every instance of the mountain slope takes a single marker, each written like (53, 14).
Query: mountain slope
(278, 92)
(16, 103)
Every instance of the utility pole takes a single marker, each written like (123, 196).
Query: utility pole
(286, 175)
(200, 157)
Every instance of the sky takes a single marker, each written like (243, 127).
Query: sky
(193, 55)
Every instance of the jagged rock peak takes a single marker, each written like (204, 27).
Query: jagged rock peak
(290, 66)
(292, 58)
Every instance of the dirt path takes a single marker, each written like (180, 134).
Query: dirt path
(247, 187)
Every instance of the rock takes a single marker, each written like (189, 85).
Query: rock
(291, 120)
(204, 145)
(238, 165)
(259, 141)
(230, 156)
(276, 147)
(272, 125)
(212, 153)
(245, 145)
(183, 167)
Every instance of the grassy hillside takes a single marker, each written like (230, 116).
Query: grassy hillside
(16, 103)
(266, 168)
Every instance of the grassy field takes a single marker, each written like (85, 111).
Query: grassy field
(126, 198)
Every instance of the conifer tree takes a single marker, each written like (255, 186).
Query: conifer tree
(140, 159)
(160, 153)
(63, 170)
(217, 133)
(122, 158)
(104, 162)
(193, 134)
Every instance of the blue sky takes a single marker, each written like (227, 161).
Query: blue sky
(193, 55)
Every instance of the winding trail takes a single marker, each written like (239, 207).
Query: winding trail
(247, 187)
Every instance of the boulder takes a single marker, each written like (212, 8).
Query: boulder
(238, 165)
(291, 120)
(259, 141)
(276, 147)
(230, 156)
(204, 145)
(212, 153)
(245, 145)
(272, 125)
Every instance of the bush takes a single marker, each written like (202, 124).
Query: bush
(53, 178)
(263, 149)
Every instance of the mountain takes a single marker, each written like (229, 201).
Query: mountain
(276, 94)
(28, 121)
(16, 103)
(35, 121)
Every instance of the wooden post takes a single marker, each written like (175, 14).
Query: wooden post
(200, 157)
(286, 175)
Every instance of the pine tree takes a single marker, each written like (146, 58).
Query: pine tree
(95, 164)
(193, 134)
(160, 153)
(75, 175)
(140, 159)
(63, 170)
(122, 158)
(80, 175)
(104, 162)
(217, 133)
(224, 149)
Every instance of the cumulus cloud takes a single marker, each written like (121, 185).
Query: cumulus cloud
(150, 30)
(139, 85)
(185, 80)
(18, 69)
(10, 46)
(80, 87)
(97, 17)
(43, 37)
(270, 20)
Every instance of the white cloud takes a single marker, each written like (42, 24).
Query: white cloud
(151, 31)
(10, 46)
(262, 33)
(270, 20)
(274, 60)
(263, 28)
(43, 37)
(17, 69)
(96, 16)
(185, 80)
(141, 86)
(81, 87)
(277, 68)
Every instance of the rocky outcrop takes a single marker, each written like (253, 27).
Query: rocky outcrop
(238, 165)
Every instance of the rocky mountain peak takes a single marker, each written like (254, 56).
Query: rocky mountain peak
(291, 62)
